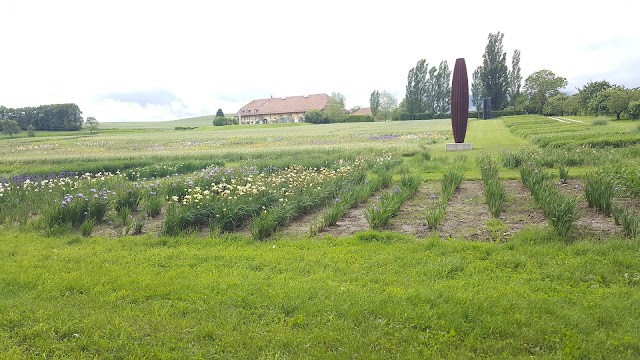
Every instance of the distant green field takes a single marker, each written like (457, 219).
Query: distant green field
(171, 124)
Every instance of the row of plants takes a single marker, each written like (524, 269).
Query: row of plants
(224, 200)
(350, 197)
(379, 214)
(558, 208)
(451, 181)
(550, 157)
(599, 190)
(495, 193)
(546, 132)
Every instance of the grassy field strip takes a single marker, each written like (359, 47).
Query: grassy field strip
(374, 296)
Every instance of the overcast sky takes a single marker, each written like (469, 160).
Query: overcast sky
(140, 60)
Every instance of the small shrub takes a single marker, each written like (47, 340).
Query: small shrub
(31, 131)
(600, 122)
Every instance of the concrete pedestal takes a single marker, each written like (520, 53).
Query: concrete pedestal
(459, 147)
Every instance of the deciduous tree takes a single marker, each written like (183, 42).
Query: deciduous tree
(339, 98)
(92, 123)
(541, 85)
(388, 103)
(617, 100)
(10, 127)
(588, 96)
(555, 105)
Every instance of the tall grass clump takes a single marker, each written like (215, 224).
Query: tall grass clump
(378, 215)
(598, 190)
(495, 192)
(451, 181)
(559, 209)
(152, 205)
(600, 122)
(628, 219)
(436, 210)
(511, 160)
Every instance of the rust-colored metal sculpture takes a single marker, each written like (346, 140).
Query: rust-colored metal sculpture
(459, 101)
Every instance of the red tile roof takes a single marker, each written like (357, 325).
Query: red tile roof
(285, 105)
(363, 111)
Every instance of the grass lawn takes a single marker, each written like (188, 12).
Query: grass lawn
(374, 295)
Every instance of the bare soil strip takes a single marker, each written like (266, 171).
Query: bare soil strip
(467, 214)
(410, 218)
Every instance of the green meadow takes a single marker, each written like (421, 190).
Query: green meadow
(171, 243)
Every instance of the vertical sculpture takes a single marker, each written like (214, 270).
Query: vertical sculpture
(459, 101)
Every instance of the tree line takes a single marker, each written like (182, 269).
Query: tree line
(428, 91)
(66, 117)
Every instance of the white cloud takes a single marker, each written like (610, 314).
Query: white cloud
(212, 55)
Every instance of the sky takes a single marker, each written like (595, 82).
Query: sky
(164, 60)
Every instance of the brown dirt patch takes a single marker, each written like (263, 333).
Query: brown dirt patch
(466, 214)
(410, 218)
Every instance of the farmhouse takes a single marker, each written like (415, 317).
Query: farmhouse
(363, 111)
(281, 110)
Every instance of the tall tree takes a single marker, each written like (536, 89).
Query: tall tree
(388, 103)
(218, 113)
(9, 127)
(555, 105)
(374, 102)
(495, 75)
(541, 85)
(416, 87)
(92, 123)
(617, 100)
(588, 96)
(515, 79)
(477, 92)
(339, 98)
(431, 91)
(443, 88)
